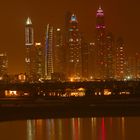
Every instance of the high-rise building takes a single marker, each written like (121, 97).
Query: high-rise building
(85, 59)
(120, 60)
(92, 61)
(3, 65)
(137, 66)
(59, 54)
(109, 57)
(131, 67)
(38, 61)
(67, 20)
(29, 43)
(74, 50)
(100, 44)
(49, 52)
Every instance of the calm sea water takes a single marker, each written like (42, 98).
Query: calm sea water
(116, 128)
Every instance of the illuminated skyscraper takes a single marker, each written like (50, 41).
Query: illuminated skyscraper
(120, 70)
(85, 59)
(131, 67)
(59, 54)
(39, 61)
(58, 51)
(100, 44)
(29, 42)
(137, 66)
(3, 65)
(92, 61)
(49, 48)
(109, 57)
(74, 49)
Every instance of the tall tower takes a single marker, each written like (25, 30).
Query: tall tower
(120, 71)
(109, 57)
(92, 61)
(49, 63)
(85, 59)
(74, 49)
(137, 66)
(3, 65)
(29, 42)
(39, 61)
(100, 43)
(58, 52)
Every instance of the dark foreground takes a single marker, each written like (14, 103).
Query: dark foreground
(39, 108)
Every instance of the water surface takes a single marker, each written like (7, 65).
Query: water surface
(101, 128)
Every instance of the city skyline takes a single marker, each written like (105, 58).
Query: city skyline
(121, 19)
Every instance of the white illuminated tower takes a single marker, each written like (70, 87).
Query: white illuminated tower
(29, 42)
(49, 66)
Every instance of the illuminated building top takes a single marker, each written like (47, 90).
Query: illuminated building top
(73, 18)
(28, 22)
(100, 19)
(100, 12)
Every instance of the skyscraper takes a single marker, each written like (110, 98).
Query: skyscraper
(3, 65)
(29, 42)
(85, 52)
(74, 49)
(100, 44)
(59, 52)
(137, 66)
(49, 48)
(131, 67)
(120, 70)
(39, 61)
(109, 57)
(92, 61)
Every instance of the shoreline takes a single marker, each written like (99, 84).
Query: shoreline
(66, 108)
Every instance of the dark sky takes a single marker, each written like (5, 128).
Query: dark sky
(122, 18)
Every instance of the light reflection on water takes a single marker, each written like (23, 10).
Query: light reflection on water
(123, 128)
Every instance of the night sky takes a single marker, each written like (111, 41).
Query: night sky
(122, 18)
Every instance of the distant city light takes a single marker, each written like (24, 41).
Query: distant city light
(58, 29)
(38, 44)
